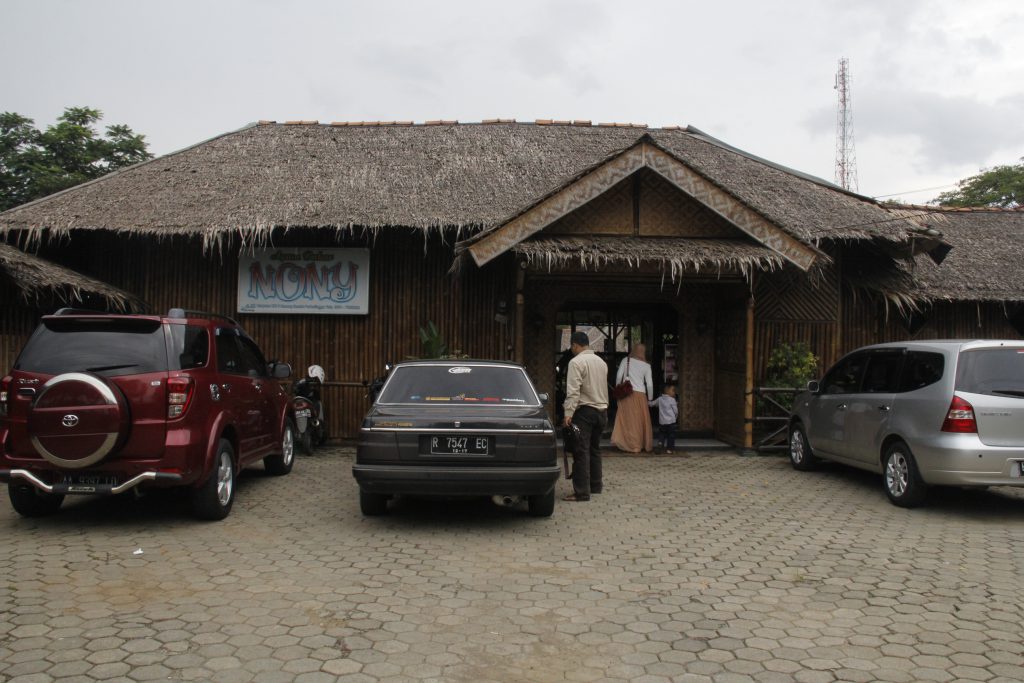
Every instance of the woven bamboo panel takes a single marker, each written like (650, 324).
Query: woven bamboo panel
(610, 213)
(730, 368)
(666, 211)
(696, 361)
(790, 294)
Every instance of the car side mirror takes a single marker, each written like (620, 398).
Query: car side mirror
(813, 386)
(280, 370)
(544, 398)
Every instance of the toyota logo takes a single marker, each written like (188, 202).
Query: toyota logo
(69, 420)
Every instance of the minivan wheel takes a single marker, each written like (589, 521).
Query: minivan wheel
(28, 501)
(281, 463)
(372, 504)
(214, 498)
(800, 455)
(542, 505)
(903, 483)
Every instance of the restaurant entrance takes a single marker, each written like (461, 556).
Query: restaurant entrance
(613, 331)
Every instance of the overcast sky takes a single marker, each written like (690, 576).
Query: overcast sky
(937, 85)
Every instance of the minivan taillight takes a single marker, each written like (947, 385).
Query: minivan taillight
(179, 395)
(960, 418)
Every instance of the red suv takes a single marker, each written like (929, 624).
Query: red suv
(102, 404)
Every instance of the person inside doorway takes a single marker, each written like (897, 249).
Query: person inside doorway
(632, 432)
(668, 417)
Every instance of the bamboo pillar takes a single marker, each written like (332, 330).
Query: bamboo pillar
(837, 347)
(520, 322)
(748, 392)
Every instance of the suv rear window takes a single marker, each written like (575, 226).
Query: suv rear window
(459, 385)
(108, 347)
(190, 346)
(996, 372)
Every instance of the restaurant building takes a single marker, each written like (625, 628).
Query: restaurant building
(337, 244)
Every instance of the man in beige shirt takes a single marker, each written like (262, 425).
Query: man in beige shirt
(586, 407)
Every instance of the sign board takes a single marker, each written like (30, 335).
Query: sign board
(321, 281)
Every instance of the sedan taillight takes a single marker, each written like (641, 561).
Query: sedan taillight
(960, 418)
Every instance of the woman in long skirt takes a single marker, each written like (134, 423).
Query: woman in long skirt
(633, 432)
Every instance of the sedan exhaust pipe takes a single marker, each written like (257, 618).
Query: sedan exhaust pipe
(507, 501)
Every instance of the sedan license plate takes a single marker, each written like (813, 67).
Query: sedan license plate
(459, 445)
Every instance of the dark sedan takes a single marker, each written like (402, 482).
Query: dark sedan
(457, 428)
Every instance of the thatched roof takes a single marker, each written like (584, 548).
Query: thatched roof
(39, 280)
(986, 262)
(672, 255)
(446, 176)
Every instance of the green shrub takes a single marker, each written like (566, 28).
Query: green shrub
(790, 365)
(432, 341)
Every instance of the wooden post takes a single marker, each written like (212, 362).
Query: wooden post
(748, 392)
(837, 341)
(520, 313)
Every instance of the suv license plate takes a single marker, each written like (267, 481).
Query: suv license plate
(90, 480)
(459, 445)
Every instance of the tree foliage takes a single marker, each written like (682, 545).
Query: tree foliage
(35, 163)
(1002, 186)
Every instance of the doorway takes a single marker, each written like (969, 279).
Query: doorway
(613, 330)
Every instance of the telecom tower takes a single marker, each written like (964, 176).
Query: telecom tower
(846, 157)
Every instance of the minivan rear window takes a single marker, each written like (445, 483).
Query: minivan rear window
(107, 347)
(459, 385)
(996, 372)
(922, 369)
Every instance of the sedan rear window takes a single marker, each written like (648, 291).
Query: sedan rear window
(459, 385)
(107, 347)
(996, 372)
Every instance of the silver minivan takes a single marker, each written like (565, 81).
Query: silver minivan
(922, 413)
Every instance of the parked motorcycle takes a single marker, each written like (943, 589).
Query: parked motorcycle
(374, 386)
(310, 421)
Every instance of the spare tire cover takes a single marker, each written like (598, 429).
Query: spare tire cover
(77, 419)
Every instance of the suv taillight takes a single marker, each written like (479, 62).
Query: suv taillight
(179, 395)
(960, 418)
(5, 388)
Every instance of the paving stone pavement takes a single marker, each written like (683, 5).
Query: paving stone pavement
(699, 567)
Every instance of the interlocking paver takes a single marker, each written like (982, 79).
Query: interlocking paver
(699, 567)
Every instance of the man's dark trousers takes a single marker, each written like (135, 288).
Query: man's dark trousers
(586, 461)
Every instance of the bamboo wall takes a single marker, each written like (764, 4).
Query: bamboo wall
(869, 322)
(785, 314)
(410, 286)
(790, 306)
(17, 320)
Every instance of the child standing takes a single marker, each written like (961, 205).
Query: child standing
(668, 416)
